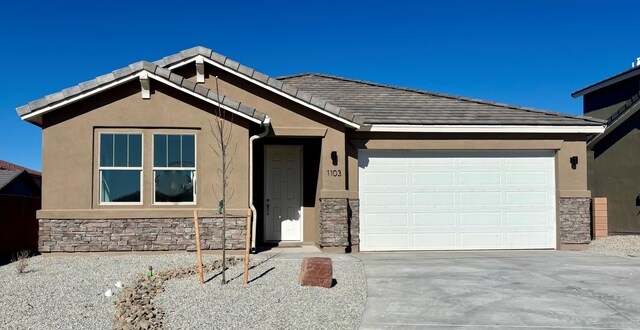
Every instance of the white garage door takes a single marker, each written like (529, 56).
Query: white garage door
(426, 200)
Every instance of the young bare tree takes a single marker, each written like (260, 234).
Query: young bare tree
(222, 128)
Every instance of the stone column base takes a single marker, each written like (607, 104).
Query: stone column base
(339, 225)
(575, 220)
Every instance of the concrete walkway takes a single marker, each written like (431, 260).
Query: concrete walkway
(519, 289)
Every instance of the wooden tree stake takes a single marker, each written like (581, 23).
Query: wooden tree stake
(247, 249)
(197, 226)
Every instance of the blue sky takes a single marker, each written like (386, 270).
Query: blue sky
(529, 53)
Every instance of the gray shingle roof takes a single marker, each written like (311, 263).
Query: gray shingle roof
(300, 94)
(128, 71)
(383, 104)
(6, 176)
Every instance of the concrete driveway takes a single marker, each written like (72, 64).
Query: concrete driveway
(518, 289)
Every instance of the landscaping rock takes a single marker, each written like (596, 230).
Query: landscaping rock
(316, 271)
(135, 308)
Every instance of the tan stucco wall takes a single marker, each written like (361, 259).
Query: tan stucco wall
(570, 182)
(70, 183)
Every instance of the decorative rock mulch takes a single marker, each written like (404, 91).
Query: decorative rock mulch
(135, 307)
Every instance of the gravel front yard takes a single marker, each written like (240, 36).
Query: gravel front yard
(272, 300)
(67, 292)
(622, 246)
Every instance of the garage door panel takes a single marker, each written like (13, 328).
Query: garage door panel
(387, 241)
(385, 179)
(433, 241)
(481, 198)
(480, 219)
(488, 240)
(386, 219)
(432, 179)
(435, 198)
(526, 178)
(479, 178)
(528, 218)
(385, 199)
(528, 239)
(456, 200)
(526, 198)
(422, 219)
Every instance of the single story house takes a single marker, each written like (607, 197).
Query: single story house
(613, 158)
(344, 164)
(19, 201)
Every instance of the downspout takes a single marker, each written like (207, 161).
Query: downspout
(267, 125)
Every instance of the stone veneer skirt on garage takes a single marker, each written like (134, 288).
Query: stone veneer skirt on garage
(339, 223)
(575, 220)
(64, 235)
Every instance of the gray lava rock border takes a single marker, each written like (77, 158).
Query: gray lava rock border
(135, 306)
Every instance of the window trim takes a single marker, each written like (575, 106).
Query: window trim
(164, 168)
(121, 168)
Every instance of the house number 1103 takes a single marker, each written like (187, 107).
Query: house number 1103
(334, 173)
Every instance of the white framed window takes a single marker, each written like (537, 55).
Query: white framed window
(174, 169)
(120, 167)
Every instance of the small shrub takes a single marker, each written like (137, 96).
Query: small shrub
(21, 261)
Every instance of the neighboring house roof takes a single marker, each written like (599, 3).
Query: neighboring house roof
(7, 176)
(314, 101)
(607, 82)
(18, 183)
(5, 165)
(75, 93)
(383, 104)
(631, 107)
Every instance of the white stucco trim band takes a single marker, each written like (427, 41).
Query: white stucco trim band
(79, 97)
(483, 129)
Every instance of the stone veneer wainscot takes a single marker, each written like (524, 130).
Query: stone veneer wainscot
(170, 234)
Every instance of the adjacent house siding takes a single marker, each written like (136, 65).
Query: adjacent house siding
(615, 174)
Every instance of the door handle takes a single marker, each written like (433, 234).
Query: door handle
(268, 206)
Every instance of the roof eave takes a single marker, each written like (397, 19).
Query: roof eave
(578, 129)
(607, 82)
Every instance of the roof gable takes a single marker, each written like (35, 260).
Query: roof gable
(314, 102)
(33, 111)
(391, 105)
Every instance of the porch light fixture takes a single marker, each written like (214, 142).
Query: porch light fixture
(334, 158)
(574, 161)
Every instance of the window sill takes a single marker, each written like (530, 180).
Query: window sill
(135, 213)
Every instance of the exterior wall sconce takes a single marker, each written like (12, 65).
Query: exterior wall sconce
(334, 158)
(574, 162)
